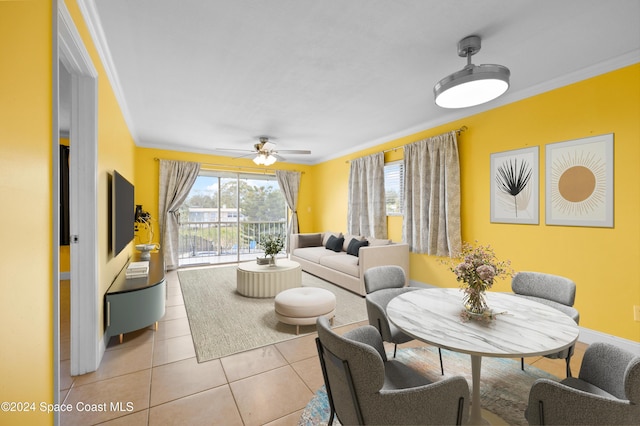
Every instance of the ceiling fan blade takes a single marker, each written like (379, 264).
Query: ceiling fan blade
(280, 158)
(235, 150)
(295, 151)
(245, 155)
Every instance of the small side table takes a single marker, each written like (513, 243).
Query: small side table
(255, 280)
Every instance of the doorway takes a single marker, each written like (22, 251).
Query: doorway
(71, 56)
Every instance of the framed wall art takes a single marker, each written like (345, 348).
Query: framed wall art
(579, 182)
(514, 186)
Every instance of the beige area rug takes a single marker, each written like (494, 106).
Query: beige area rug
(224, 322)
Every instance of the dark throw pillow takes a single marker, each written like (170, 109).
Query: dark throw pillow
(334, 243)
(311, 240)
(354, 246)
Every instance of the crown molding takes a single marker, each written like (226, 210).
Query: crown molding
(92, 20)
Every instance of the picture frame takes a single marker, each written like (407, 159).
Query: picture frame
(579, 182)
(515, 186)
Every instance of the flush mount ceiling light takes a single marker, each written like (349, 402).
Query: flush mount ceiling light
(474, 84)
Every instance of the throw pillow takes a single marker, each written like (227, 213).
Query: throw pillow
(348, 238)
(334, 243)
(354, 247)
(309, 240)
(326, 236)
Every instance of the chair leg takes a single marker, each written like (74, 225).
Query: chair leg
(395, 349)
(522, 364)
(441, 365)
(569, 366)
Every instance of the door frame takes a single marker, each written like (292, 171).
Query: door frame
(70, 52)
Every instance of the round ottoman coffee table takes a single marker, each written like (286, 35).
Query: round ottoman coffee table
(255, 280)
(303, 305)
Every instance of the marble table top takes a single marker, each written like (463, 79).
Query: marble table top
(526, 328)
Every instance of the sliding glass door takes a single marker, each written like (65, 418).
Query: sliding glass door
(226, 213)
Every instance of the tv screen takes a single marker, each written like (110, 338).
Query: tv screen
(123, 212)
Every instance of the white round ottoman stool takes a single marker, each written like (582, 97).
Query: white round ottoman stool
(303, 305)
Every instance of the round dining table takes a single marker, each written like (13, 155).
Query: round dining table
(521, 328)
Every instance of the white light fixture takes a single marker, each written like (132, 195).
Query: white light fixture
(264, 159)
(259, 160)
(474, 84)
(269, 160)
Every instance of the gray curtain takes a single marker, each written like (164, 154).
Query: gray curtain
(289, 182)
(432, 196)
(176, 180)
(366, 213)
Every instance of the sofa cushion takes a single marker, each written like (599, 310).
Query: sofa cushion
(309, 240)
(348, 238)
(378, 241)
(334, 243)
(313, 254)
(354, 246)
(341, 262)
(326, 235)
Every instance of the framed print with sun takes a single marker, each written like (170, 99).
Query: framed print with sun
(579, 182)
(514, 186)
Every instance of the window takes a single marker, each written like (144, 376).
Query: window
(226, 214)
(394, 187)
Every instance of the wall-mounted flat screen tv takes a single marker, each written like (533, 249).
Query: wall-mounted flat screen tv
(122, 213)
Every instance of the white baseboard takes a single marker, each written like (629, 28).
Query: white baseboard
(587, 336)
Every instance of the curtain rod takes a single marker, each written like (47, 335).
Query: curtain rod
(239, 168)
(458, 131)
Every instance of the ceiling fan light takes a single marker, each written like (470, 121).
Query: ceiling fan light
(259, 159)
(471, 86)
(269, 160)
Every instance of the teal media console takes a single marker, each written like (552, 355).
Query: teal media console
(135, 303)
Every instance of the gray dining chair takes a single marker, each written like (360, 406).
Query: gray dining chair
(383, 283)
(364, 387)
(551, 290)
(606, 392)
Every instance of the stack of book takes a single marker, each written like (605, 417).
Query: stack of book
(138, 269)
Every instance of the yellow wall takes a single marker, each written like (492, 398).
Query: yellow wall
(602, 261)
(147, 170)
(26, 143)
(26, 356)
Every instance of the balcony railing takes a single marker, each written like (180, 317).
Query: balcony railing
(223, 242)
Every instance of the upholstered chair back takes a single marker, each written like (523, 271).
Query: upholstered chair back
(606, 391)
(622, 376)
(545, 286)
(365, 388)
(382, 277)
(364, 364)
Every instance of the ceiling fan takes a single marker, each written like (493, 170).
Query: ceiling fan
(266, 152)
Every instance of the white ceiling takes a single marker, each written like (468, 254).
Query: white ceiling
(335, 76)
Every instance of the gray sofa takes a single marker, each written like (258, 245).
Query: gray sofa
(337, 265)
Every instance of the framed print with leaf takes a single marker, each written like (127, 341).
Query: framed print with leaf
(514, 186)
(579, 182)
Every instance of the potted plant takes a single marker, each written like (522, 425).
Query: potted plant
(272, 245)
(476, 269)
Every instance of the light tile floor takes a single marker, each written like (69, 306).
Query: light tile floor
(153, 378)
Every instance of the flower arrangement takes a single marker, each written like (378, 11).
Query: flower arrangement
(477, 268)
(272, 244)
